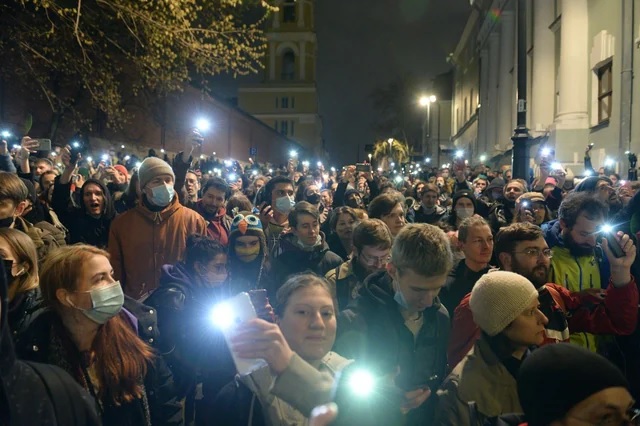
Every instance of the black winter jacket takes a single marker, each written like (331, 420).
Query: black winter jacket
(82, 227)
(45, 340)
(289, 258)
(372, 330)
(24, 399)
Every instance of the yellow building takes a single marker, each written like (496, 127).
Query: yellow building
(287, 99)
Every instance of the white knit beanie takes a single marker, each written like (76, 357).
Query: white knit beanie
(152, 167)
(498, 298)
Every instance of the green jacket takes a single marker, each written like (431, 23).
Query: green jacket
(576, 274)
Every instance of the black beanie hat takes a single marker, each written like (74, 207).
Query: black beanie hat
(463, 193)
(555, 378)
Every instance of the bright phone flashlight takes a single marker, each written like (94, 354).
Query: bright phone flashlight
(221, 316)
(361, 383)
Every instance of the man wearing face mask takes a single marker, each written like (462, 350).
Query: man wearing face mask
(462, 207)
(188, 291)
(152, 234)
(397, 326)
(275, 205)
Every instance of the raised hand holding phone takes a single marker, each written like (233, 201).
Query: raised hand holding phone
(232, 317)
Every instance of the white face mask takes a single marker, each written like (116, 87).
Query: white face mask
(464, 212)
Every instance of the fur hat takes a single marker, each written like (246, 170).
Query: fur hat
(152, 167)
(534, 197)
(498, 298)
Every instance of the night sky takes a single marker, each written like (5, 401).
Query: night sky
(364, 44)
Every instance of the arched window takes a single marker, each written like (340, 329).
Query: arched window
(288, 65)
(289, 11)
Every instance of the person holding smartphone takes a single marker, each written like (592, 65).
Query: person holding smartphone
(301, 368)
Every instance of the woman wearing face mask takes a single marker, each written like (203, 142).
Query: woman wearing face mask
(20, 260)
(301, 367)
(188, 290)
(463, 206)
(343, 220)
(86, 331)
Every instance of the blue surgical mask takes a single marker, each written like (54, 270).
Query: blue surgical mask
(106, 303)
(162, 195)
(399, 297)
(285, 204)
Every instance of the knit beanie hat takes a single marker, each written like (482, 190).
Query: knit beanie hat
(122, 169)
(465, 193)
(555, 378)
(152, 167)
(498, 298)
(245, 225)
(496, 183)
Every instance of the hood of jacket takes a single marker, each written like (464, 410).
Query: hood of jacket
(162, 215)
(109, 211)
(287, 246)
(552, 233)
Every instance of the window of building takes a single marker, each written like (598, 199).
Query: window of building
(284, 127)
(293, 102)
(605, 92)
(292, 128)
(289, 11)
(277, 102)
(284, 102)
(288, 65)
(275, 125)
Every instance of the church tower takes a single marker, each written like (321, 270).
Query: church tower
(287, 99)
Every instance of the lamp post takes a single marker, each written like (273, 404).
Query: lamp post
(390, 140)
(425, 102)
(521, 137)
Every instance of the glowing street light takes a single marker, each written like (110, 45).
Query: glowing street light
(426, 100)
(162, 150)
(203, 124)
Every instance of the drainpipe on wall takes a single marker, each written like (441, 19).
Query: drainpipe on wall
(626, 74)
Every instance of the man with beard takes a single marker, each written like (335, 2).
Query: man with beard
(601, 187)
(502, 212)
(521, 248)
(579, 262)
(212, 207)
(371, 250)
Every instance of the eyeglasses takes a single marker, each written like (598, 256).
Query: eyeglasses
(536, 252)
(370, 260)
(633, 416)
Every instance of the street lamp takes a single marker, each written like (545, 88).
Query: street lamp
(426, 101)
(370, 158)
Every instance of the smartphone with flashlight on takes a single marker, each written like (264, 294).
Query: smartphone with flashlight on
(609, 233)
(226, 316)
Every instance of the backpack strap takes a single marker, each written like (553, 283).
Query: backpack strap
(64, 398)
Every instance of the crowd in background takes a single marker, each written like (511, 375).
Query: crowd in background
(471, 297)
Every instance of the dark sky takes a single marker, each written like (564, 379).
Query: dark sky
(364, 44)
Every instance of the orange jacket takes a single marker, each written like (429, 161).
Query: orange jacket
(141, 241)
(615, 313)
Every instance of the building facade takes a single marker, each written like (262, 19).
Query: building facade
(287, 98)
(581, 59)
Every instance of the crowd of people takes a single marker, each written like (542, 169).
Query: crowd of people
(448, 296)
